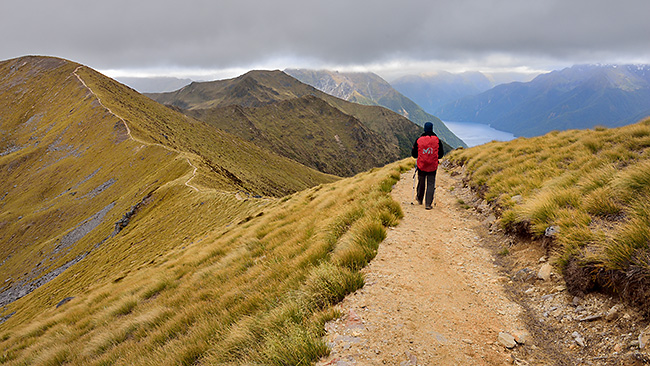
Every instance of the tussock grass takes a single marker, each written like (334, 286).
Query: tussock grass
(55, 356)
(125, 308)
(633, 182)
(294, 346)
(327, 285)
(594, 185)
(388, 183)
(104, 340)
(631, 244)
(602, 202)
(254, 290)
(158, 288)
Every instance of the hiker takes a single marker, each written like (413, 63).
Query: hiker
(427, 149)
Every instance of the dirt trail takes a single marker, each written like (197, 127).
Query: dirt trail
(433, 294)
(128, 131)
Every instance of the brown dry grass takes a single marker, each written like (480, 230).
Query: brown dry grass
(203, 272)
(257, 291)
(594, 185)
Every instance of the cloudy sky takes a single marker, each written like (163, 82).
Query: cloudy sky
(204, 39)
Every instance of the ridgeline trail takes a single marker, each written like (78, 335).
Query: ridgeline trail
(434, 294)
(128, 131)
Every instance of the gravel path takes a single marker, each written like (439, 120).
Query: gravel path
(433, 294)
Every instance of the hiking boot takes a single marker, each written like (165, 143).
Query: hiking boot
(419, 202)
(428, 207)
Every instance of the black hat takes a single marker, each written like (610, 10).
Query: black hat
(428, 127)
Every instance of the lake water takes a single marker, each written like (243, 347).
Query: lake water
(477, 133)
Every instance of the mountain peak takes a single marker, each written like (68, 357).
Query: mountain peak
(287, 116)
(370, 89)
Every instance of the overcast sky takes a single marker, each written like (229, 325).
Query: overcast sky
(205, 39)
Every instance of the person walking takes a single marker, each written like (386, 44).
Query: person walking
(428, 150)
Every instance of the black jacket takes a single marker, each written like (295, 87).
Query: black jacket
(441, 152)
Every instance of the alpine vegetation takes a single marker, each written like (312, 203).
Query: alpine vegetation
(133, 234)
(589, 190)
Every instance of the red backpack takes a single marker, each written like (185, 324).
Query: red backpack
(428, 153)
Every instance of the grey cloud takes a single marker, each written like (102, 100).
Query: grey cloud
(209, 34)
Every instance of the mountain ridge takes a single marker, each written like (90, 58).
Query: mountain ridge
(82, 156)
(370, 89)
(582, 96)
(351, 137)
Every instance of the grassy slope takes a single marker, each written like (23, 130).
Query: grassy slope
(70, 147)
(195, 275)
(255, 170)
(593, 185)
(65, 159)
(254, 292)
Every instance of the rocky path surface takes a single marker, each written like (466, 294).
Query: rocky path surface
(433, 294)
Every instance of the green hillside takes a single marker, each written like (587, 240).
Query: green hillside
(589, 188)
(370, 89)
(132, 234)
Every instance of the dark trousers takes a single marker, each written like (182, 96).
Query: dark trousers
(426, 181)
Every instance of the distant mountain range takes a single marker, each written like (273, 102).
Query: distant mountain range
(578, 97)
(370, 89)
(430, 91)
(280, 113)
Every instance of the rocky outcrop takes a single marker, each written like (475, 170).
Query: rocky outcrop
(124, 221)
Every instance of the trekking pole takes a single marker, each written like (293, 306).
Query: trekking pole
(414, 174)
